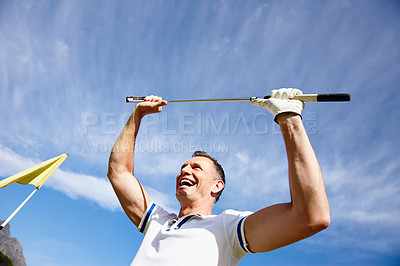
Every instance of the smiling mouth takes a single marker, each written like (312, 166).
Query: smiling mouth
(186, 183)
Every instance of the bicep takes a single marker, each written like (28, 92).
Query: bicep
(132, 196)
(274, 227)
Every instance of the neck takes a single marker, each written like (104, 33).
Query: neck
(203, 209)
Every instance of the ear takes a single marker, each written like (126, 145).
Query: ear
(217, 187)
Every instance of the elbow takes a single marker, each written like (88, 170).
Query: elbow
(113, 170)
(116, 170)
(319, 222)
(110, 174)
(313, 219)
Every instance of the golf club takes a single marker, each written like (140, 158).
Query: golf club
(332, 97)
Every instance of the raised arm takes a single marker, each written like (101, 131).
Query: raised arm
(308, 212)
(130, 192)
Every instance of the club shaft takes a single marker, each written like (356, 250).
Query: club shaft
(210, 100)
(333, 97)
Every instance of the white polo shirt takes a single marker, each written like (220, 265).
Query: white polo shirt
(191, 240)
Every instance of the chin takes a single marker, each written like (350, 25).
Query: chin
(182, 197)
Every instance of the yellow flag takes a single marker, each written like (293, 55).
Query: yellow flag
(37, 174)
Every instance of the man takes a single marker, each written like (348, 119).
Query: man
(194, 236)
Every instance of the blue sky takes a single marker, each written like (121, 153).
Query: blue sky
(67, 65)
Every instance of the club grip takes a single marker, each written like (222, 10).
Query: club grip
(334, 97)
(134, 99)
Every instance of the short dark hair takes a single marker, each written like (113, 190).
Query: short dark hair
(217, 166)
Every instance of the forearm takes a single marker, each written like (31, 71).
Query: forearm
(308, 211)
(122, 154)
(132, 195)
(306, 183)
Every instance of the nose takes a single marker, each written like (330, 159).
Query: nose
(185, 170)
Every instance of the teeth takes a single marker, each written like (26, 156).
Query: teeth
(186, 182)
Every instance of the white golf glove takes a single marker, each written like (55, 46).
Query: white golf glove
(280, 102)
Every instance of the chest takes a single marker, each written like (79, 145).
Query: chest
(187, 237)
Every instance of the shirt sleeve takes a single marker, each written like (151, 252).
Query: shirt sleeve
(154, 215)
(234, 228)
(240, 235)
(142, 228)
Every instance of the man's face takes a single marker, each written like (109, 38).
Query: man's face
(196, 179)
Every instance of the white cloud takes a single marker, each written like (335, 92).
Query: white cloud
(92, 188)
(364, 192)
(74, 185)
(62, 53)
(364, 196)
(168, 202)
(11, 162)
(259, 177)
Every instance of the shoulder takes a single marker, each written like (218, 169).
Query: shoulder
(233, 213)
(154, 214)
(231, 218)
(233, 222)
